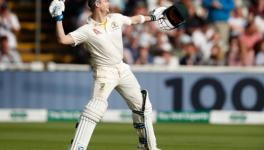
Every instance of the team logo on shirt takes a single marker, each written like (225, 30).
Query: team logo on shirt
(96, 31)
(114, 26)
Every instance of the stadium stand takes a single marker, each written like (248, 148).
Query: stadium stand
(143, 39)
(50, 50)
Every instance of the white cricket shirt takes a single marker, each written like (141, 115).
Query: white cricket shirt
(104, 42)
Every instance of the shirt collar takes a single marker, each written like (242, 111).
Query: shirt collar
(95, 23)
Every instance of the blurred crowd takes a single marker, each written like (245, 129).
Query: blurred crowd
(9, 27)
(216, 33)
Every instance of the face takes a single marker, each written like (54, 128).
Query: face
(104, 6)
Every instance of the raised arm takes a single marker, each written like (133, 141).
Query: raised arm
(56, 8)
(61, 37)
(140, 19)
(154, 16)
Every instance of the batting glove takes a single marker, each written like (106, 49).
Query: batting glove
(56, 8)
(157, 13)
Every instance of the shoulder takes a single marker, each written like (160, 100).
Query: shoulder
(115, 16)
(12, 16)
(85, 27)
(83, 30)
(120, 19)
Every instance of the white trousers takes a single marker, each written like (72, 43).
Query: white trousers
(121, 78)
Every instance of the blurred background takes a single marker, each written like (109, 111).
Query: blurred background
(227, 34)
(213, 62)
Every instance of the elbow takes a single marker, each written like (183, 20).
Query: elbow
(65, 40)
(61, 41)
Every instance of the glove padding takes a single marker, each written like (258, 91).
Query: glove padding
(56, 8)
(157, 13)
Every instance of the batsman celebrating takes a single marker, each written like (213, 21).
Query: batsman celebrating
(102, 36)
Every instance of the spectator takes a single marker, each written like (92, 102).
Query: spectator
(237, 22)
(117, 4)
(162, 50)
(8, 56)
(259, 21)
(194, 18)
(166, 58)
(251, 35)
(260, 53)
(131, 43)
(128, 57)
(191, 55)
(257, 14)
(178, 38)
(143, 57)
(247, 41)
(199, 9)
(234, 53)
(218, 14)
(204, 38)
(152, 4)
(145, 37)
(9, 26)
(248, 56)
(256, 9)
(241, 51)
(216, 57)
(131, 6)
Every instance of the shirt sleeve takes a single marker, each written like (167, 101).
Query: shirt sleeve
(123, 20)
(80, 35)
(15, 22)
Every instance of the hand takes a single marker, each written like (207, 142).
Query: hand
(157, 13)
(56, 8)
